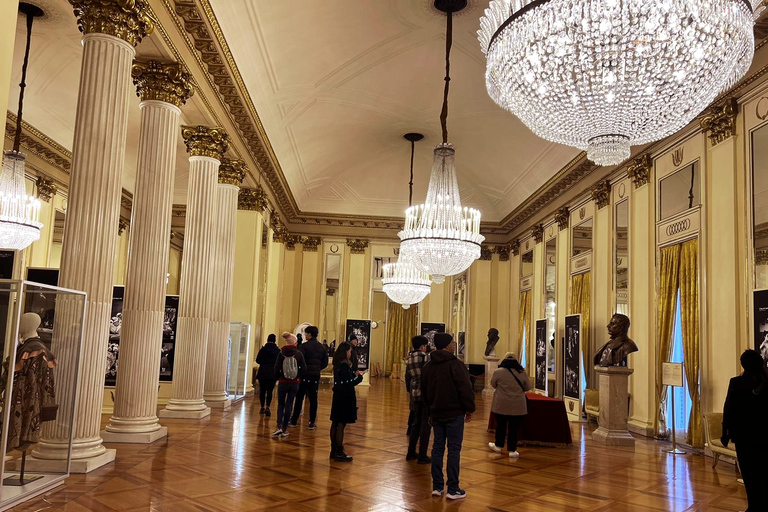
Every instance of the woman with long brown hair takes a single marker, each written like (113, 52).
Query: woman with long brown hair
(344, 405)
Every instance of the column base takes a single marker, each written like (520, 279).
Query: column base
(219, 404)
(613, 437)
(185, 415)
(134, 437)
(79, 466)
(491, 364)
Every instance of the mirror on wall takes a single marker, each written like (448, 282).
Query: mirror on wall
(550, 307)
(581, 238)
(58, 237)
(526, 264)
(680, 191)
(332, 298)
(760, 204)
(621, 262)
(459, 313)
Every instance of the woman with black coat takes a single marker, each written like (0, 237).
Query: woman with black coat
(266, 359)
(344, 404)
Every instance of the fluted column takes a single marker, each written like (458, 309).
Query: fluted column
(206, 147)
(163, 88)
(111, 31)
(231, 174)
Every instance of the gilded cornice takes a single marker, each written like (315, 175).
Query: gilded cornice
(46, 188)
(251, 199)
(601, 194)
(39, 144)
(357, 245)
(720, 120)
(639, 171)
(311, 243)
(205, 141)
(232, 172)
(125, 19)
(167, 82)
(562, 217)
(537, 232)
(486, 253)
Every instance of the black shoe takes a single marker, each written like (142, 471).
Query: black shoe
(267, 412)
(425, 460)
(261, 411)
(342, 457)
(411, 456)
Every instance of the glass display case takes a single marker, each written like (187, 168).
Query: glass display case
(239, 348)
(42, 329)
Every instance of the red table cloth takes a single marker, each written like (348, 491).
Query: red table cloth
(546, 423)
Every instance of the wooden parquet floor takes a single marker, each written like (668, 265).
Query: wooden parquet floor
(229, 462)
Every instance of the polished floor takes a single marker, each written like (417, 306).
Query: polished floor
(229, 462)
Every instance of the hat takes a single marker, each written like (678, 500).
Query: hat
(510, 355)
(442, 340)
(290, 338)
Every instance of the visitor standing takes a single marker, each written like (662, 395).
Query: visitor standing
(509, 403)
(288, 370)
(316, 359)
(419, 429)
(447, 393)
(344, 404)
(266, 359)
(745, 422)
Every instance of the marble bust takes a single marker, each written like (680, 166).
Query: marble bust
(614, 353)
(493, 339)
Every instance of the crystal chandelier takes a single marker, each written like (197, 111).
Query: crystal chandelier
(440, 237)
(607, 74)
(19, 213)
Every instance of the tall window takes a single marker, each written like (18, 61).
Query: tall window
(683, 403)
(524, 350)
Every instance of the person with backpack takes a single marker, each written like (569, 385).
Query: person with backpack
(344, 404)
(288, 369)
(509, 403)
(316, 359)
(266, 359)
(745, 422)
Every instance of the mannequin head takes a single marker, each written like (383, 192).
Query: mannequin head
(28, 326)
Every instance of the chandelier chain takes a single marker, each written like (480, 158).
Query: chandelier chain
(23, 84)
(448, 44)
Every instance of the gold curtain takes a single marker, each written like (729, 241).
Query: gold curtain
(689, 313)
(523, 320)
(581, 286)
(667, 299)
(402, 325)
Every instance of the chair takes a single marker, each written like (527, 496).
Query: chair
(713, 430)
(592, 403)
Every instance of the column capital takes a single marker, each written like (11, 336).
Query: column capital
(251, 199)
(537, 232)
(124, 19)
(310, 243)
(46, 188)
(357, 245)
(601, 194)
(232, 172)
(486, 252)
(503, 252)
(562, 217)
(720, 120)
(168, 82)
(205, 141)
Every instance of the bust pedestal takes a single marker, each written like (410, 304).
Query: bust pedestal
(613, 382)
(491, 364)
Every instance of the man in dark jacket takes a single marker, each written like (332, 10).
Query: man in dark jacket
(316, 359)
(447, 394)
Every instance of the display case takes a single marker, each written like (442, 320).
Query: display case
(41, 328)
(239, 353)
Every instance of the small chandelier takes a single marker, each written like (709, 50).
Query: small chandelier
(607, 74)
(402, 281)
(19, 213)
(440, 237)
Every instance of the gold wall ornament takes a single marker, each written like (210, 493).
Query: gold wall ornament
(357, 245)
(124, 19)
(639, 171)
(720, 120)
(563, 218)
(677, 156)
(514, 246)
(122, 225)
(251, 199)
(601, 194)
(205, 141)
(291, 241)
(46, 189)
(503, 252)
(537, 232)
(232, 172)
(486, 253)
(167, 82)
(279, 233)
(311, 243)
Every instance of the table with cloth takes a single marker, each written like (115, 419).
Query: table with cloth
(546, 423)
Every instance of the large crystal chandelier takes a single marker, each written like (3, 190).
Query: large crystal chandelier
(440, 237)
(19, 213)
(602, 75)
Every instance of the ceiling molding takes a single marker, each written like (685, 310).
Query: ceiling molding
(39, 144)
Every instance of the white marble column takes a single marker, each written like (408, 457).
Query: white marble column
(163, 89)
(231, 174)
(206, 147)
(88, 254)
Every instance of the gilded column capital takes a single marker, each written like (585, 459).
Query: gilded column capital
(357, 245)
(720, 120)
(205, 141)
(279, 233)
(167, 82)
(122, 225)
(311, 243)
(538, 233)
(514, 246)
(251, 199)
(124, 19)
(232, 172)
(562, 217)
(503, 252)
(639, 171)
(291, 241)
(486, 253)
(46, 189)
(601, 194)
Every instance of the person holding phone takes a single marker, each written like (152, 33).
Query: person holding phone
(344, 404)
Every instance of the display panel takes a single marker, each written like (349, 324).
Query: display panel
(362, 330)
(540, 380)
(428, 330)
(760, 310)
(572, 388)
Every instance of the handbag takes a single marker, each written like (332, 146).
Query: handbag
(521, 386)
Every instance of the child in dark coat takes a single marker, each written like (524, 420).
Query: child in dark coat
(344, 404)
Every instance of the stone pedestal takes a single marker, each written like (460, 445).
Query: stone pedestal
(491, 364)
(613, 383)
